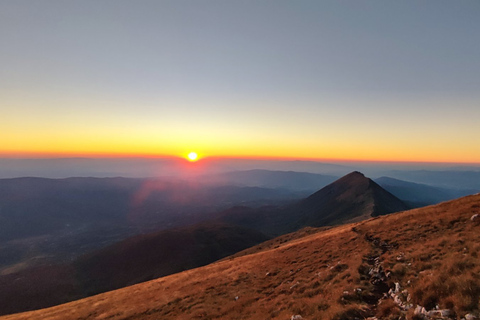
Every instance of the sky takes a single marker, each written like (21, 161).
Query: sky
(351, 80)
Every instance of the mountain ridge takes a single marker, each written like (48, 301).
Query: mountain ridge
(351, 198)
(357, 270)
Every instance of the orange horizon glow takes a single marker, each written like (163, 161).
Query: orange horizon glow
(214, 157)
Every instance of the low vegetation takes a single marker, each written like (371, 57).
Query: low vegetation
(419, 264)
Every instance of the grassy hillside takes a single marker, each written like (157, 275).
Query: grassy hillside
(382, 267)
(128, 262)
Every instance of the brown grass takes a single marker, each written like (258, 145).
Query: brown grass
(433, 253)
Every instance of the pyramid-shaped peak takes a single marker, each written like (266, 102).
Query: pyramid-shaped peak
(353, 177)
(355, 174)
(353, 197)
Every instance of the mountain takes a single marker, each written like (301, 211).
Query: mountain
(296, 181)
(350, 198)
(134, 260)
(44, 221)
(418, 194)
(450, 179)
(417, 264)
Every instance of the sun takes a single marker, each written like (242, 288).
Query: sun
(192, 156)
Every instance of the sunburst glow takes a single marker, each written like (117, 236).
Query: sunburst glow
(192, 156)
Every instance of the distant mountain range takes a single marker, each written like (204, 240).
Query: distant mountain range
(449, 179)
(295, 181)
(50, 220)
(419, 195)
(145, 257)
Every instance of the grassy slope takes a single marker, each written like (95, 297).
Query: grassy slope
(134, 260)
(432, 252)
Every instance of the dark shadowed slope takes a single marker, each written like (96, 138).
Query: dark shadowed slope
(426, 257)
(131, 261)
(150, 256)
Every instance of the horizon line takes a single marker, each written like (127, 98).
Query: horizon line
(123, 156)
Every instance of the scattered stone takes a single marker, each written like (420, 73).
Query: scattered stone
(422, 313)
(419, 311)
(397, 287)
(439, 313)
(236, 298)
(296, 284)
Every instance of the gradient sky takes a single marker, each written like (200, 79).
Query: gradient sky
(368, 80)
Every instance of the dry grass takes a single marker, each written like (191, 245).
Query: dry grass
(432, 252)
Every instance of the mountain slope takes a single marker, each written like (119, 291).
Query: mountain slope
(350, 198)
(347, 272)
(45, 221)
(154, 255)
(128, 262)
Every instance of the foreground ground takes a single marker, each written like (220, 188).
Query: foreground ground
(421, 263)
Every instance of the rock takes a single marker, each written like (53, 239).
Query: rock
(296, 317)
(475, 217)
(470, 316)
(420, 311)
(439, 313)
(397, 287)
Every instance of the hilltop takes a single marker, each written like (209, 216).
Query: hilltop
(353, 197)
(390, 266)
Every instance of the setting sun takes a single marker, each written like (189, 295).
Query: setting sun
(192, 156)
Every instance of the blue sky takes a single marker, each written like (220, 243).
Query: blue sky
(324, 77)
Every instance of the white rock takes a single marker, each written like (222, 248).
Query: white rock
(419, 310)
(397, 287)
(475, 217)
(470, 316)
(296, 317)
(439, 313)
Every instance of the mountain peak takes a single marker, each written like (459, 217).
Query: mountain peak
(355, 174)
(353, 197)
